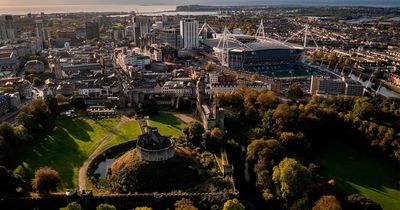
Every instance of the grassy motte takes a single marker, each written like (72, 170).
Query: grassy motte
(130, 174)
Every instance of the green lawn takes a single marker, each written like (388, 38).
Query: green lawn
(67, 147)
(361, 172)
(126, 132)
(167, 124)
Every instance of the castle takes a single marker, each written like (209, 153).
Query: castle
(152, 147)
(208, 109)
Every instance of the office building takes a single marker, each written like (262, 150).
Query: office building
(170, 37)
(92, 30)
(343, 86)
(7, 27)
(189, 28)
(40, 33)
(141, 27)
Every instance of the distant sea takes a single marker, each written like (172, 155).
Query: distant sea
(158, 7)
(36, 9)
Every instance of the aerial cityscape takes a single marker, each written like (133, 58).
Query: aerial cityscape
(187, 105)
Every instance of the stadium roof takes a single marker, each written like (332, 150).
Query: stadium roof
(253, 43)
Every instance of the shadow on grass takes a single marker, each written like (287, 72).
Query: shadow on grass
(58, 151)
(167, 119)
(350, 166)
(76, 127)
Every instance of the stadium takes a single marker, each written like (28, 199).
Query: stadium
(253, 53)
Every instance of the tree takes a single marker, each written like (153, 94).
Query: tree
(184, 204)
(8, 89)
(363, 108)
(251, 115)
(52, 103)
(295, 92)
(35, 117)
(60, 98)
(285, 117)
(46, 180)
(7, 132)
(194, 131)
(378, 74)
(266, 150)
(360, 202)
(105, 206)
(10, 184)
(217, 134)
(72, 206)
(291, 178)
(4, 150)
(149, 106)
(267, 100)
(208, 68)
(37, 81)
(250, 97)
(233, 204)
(142, 208)
(327, 202)
(78, 102)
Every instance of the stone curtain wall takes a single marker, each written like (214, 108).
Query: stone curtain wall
(157, 201)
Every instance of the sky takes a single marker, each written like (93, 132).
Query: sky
(180, 2)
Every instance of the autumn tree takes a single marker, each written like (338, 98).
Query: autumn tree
(267, 100)
(46, 180)
(327, 202)
(291, 178)
(233, 204)
(208, 68)
(295, 92)
(142, 208)
(184, 204)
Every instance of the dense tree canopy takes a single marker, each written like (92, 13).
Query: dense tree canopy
(194, 131)
(327, 202)
(105, 206)
(291, 178)
(184, 204)
(233, 204)
(72, 206)
(10, 184)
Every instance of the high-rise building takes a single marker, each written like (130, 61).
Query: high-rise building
(92, 30)
(189, 33)
(170, 37)
(40, 33)
(7, 27)
(141, 27)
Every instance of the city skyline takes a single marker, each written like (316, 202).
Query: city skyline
(186, 2)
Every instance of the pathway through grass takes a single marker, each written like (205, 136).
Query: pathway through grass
(67, 147)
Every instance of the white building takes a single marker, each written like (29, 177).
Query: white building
(128, 60)
(177, 88)
(227, 88)
(189, 28)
